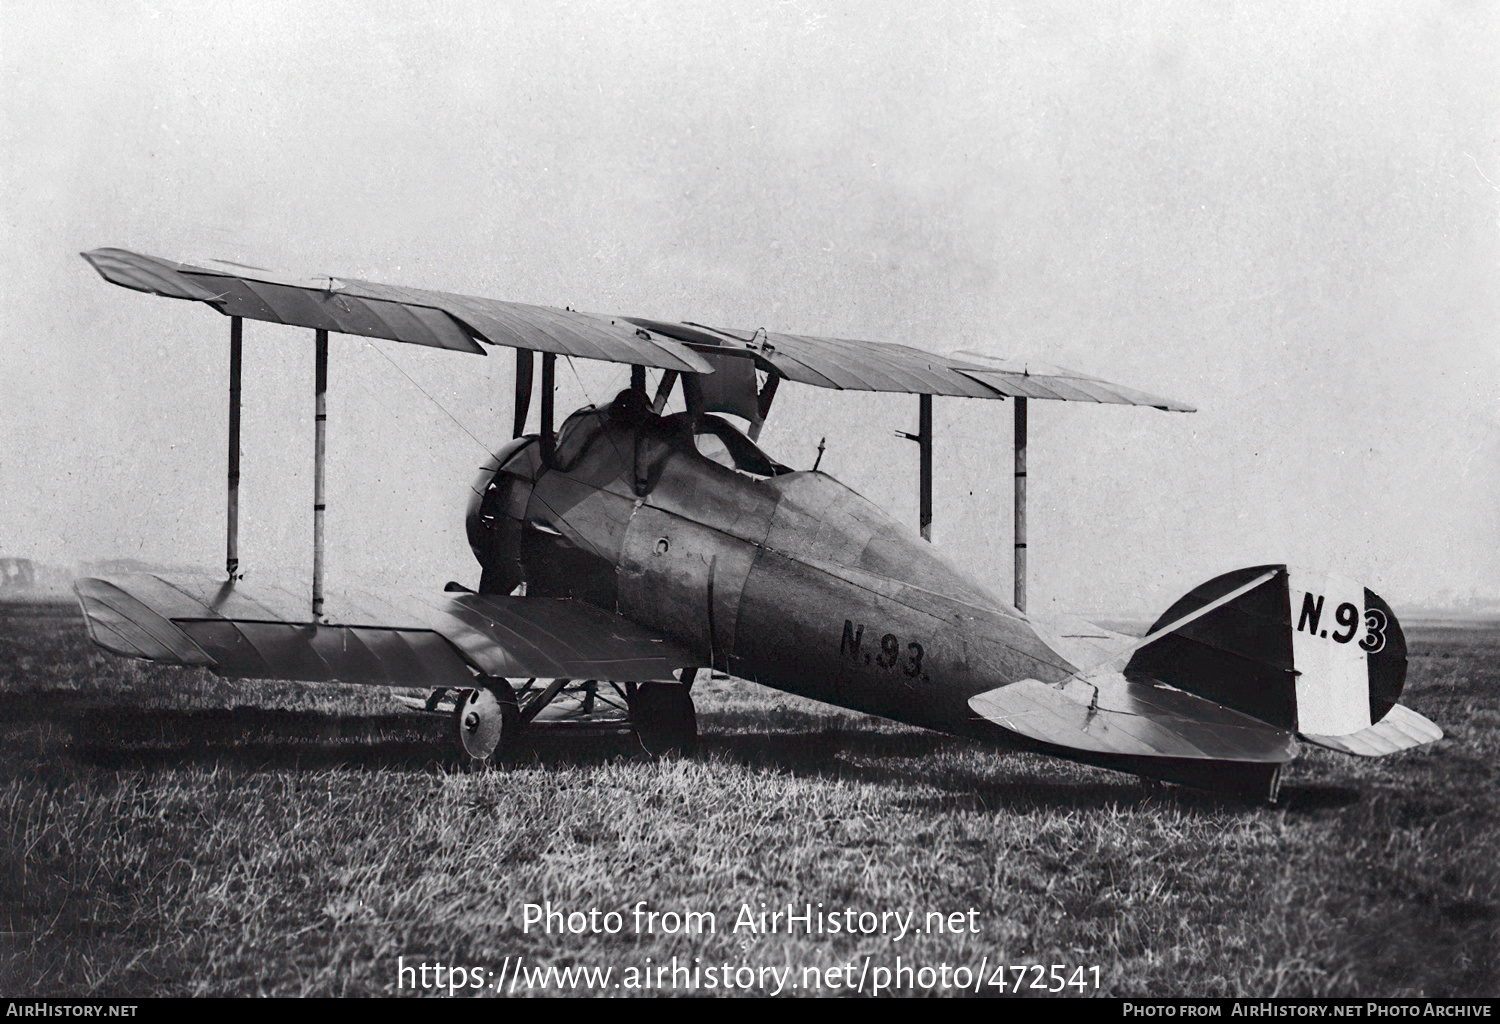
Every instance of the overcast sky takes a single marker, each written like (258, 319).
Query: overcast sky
(1287, 215)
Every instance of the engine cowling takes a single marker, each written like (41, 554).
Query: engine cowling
(497, 514)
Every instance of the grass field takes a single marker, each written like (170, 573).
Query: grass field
(167, 833)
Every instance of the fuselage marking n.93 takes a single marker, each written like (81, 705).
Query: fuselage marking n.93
(1346, 615)
(889, 655)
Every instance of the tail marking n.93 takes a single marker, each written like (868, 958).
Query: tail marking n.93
(1347, 616)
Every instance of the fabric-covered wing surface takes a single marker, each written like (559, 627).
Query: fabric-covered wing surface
(1400, 729)
(264, 632)
(412, 315)
(853, 365)
(458, 322)
(1110, 715)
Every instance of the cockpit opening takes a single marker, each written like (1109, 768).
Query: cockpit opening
(712, 437)
(718, 440)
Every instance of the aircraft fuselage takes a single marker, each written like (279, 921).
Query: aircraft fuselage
(789, 579)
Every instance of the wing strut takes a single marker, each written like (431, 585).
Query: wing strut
(924, 440)
(923, 437)
(320, 452)
(232, 539)
(549, 372)
(1020, 507)
(523, 390)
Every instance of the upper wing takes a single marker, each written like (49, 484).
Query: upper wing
(853, 365)
(265, 632)
(458, 322)
(414, 315)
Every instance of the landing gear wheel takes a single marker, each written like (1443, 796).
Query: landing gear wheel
(486, 719)
(664, 720)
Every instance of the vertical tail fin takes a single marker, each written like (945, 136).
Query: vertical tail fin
(1302, 650)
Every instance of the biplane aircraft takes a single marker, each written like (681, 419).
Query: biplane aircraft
(628, 549)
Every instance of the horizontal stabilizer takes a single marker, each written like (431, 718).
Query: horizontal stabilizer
(1400, 729)
(265, 631)
(1110, 715)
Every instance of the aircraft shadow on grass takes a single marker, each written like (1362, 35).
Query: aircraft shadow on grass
(258, 739)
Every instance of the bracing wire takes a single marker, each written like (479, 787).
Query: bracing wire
(442, 408)
(590, 399)
(581, 386)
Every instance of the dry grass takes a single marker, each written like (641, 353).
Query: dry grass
(169, 833)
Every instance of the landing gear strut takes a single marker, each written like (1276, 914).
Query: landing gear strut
(486, 719)
(663, 716)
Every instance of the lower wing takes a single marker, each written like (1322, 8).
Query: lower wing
(264, 631)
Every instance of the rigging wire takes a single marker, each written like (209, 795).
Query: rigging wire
(590, 399)
(581, 386)
(442, 408)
